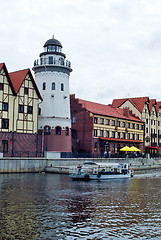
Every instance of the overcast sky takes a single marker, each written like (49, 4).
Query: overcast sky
(114, 45)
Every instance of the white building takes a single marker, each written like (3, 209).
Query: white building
(52, 72)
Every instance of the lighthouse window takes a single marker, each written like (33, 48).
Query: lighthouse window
(62, 87)
(50, 60)
(44, 86)
(49, 48)
(53, 86)
(45, 49)
(53, 48)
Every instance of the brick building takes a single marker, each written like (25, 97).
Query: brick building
(19, 98)
(97, 127)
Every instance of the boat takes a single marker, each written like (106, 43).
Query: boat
(100, 171)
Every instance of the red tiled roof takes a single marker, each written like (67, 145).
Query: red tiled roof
(151, 103)
(17, 78)
(106, 110)
(120, 140)
(137, 102)
(1, 65)
(158, 106)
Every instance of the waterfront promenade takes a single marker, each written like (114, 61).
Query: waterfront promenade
(62, 165)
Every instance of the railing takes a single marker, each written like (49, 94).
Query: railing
(27, 154)
(47, 61)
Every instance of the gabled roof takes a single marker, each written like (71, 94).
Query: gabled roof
(152, 102)
(3, 66)
(18, 77)
(106, 110)
(137, 102)
(158, 106)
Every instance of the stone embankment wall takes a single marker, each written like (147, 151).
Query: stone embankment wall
(59, 165)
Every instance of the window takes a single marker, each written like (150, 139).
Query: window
(123, 124)
(133, 125)
(154, 122)
(145, 110)
(151, 122)
(107, 122)
(21, 108)
(128, 136)
(123, 135)
(101, 133)
(29, 109)
(146, 130)
(1, 86)
(4, 146)
(137, 136)
(158, 123)
(74, 120)
(66, 131)
(133, 136)
(137, 126)
(26, 90)
(118, 134)
(107, 134)
(49, 48)
(101, 121)
(95, 120)
(5, 106)
(141, 127)
(5, 123)
(44, 86)
(113, 122)
(128, 125)
(50, 60)
(53, 86)
(58, 130)
(113, 134)
(53, 48)
(118, 123)
(62, 87)
(95, 132)
(146, 121)
(39, 111)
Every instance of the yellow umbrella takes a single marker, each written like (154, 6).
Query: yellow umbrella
(125, 149)
(134, 149)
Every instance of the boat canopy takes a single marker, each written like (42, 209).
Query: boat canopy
(102, 164)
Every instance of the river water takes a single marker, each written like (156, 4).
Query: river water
(52, 206)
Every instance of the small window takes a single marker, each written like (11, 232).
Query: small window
(113, 134)
(39, 111)
(58, 130)
(49, 48)
(133, 136)
(95, 120)
(146, 121)
(107, 134)
(118, 134)
(158, 123)
(53, 86)
(146, 130)
(128, 125)
(1, 86)
(101, 133)
(4, 146)
(128, 136)
(118, 123)
(107, 122)
(44, 86)
(95, 132)
(66, 131)
(74, 120)
(50, 60)
(29, 109)
(142, 127)
(123, 135)
(137, 126)
(101, 121)
(62, 87)
(133, 126)
(123, 124)
(113, 122)
(137, 136)
(151, 122)
(26, 90)
(5, 106)
(21, 108)
(5, 123)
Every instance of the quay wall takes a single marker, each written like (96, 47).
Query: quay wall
(59, 165)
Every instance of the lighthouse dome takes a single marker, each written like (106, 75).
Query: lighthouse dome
(52, 42)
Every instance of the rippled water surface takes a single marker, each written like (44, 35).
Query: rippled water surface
(49, 206)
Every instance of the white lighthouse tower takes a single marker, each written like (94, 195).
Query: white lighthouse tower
(52, 72)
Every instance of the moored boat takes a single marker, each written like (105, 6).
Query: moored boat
(100, 171)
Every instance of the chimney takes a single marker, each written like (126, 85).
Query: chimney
(126, 112)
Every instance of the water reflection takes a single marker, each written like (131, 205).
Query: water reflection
(48, 206)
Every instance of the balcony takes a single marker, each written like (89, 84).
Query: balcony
(52, 62)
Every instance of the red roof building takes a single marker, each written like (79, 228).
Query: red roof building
(97, 128)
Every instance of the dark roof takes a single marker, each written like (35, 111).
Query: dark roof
(52, 41)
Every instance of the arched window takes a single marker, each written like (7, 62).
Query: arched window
(66, 131)
(53, 86)
(44, 86)
(62, 87)
(58, 130)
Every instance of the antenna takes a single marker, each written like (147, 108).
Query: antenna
(53, 36)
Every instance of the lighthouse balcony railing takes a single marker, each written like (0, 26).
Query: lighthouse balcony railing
(48, 61)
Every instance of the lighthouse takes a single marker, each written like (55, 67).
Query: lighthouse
(52, 71)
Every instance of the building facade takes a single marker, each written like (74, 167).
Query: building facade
(149, 110)
(97, 128)
(52, 72)
(19, 98)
